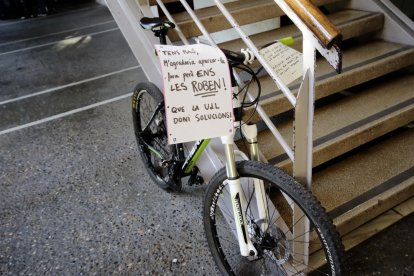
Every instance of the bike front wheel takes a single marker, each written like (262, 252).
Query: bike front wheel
(297, 239)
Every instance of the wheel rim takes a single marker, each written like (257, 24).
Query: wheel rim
(275, 248)
(152, 135)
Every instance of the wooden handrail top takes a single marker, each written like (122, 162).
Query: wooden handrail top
(316, 21)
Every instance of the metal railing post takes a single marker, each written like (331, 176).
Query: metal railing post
(304, 113)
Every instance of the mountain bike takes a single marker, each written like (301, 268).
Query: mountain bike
(258, 220)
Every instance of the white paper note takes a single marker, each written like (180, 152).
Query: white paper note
(285, 61)
(197, 92)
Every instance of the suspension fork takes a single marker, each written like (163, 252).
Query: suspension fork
(250, 132)
(237, 199)
(237, 196)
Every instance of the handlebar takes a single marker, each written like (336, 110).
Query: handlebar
(233, 56)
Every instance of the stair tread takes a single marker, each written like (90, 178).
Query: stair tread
(360, 64)
(154, 2)
(369, 105)
(360, 173)
(214, 21)
(345, 20)
(351, 58)
(214, 11)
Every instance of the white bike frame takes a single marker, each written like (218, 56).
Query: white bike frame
(238, 200)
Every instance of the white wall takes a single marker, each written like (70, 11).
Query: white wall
(102, 2)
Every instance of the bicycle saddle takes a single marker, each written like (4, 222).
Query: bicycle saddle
(156, 22)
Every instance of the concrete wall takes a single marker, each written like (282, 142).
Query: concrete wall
(102, 2)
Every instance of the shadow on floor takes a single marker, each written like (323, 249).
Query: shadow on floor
(391, 252)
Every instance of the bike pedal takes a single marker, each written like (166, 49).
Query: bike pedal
(195, 178)
(195, 181)
(199, 180)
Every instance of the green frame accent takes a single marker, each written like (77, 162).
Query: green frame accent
(196, 156)
(155, 152)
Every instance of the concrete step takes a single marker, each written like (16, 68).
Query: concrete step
(244, 11)
(355, 119)
(360, 64)
(368, 191)
(364, 192)
(369, 229)
(378, 224)
(154, 2)
(351, 23)
(367, 184)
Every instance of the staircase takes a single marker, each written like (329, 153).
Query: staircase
(363, 153)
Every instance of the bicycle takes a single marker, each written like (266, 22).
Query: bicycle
(257, 218)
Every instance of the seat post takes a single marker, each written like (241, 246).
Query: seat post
(162, 34)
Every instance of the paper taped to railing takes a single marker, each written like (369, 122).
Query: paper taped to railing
(285, 61)
(197, 92)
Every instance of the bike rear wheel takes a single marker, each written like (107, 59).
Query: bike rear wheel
(160, 159)
(282, 248)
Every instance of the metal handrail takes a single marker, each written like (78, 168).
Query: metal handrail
(259, 108)
(289, 95)
(319, 34)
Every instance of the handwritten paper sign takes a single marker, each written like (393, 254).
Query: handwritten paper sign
(197, 92)
(285, 61)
